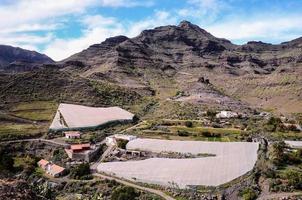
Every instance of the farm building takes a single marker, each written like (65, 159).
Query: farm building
(51, 169)
(72, 134)
(78, 117)
(82, 152)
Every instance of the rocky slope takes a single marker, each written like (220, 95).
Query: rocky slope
(174, 58)
(14, 59)
(186, 64)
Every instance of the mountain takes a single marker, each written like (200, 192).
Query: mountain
(260, 74)
(15, 59)
(184, 68)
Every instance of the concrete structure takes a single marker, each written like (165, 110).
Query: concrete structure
(294, 144)
(231, 160)
(77, 117)
(112, 139)
(51, 169)
(226, 114)
(72, 134)
(82, 152)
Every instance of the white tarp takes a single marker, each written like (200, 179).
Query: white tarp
(233, 159)
(70, 116)
(294, 144)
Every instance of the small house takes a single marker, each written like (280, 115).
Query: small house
(43, 164)
(72, 134)
(51, 169)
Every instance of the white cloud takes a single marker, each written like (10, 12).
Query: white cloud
(266, 28)
(204, 11)
(126, 3)
(98, 28)
(160, 18)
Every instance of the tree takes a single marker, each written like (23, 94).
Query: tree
(248, 194)
(122, 143)
(81, 171)
(124, 193)
(294, 179)
(189, 124)
(277, 152)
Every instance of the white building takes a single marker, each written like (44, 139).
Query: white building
(111, 140)
(72, 134)
(226, 114)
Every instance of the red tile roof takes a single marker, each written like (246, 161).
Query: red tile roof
(43, 162)
(56, 169)
(79, 146)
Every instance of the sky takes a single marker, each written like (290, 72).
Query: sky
(64, 27)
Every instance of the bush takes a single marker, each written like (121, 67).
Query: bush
(274, 124)
(122, 143)
(124, 193)
(81, 172)
(183, 133)
(189, 124)
(210, 134)
(294, 179)
(248, 194)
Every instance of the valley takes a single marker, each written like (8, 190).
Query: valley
(205, 119)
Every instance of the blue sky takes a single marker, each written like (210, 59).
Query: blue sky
(62, 28)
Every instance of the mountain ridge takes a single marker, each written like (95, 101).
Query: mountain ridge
(170, 62)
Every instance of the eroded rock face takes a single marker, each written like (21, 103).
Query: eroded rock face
(186, 45)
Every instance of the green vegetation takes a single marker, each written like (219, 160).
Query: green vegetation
(124, 193)
(285, 170)
(111, 94)
(81, 172)
(248, 194)
(10, 131)
(6, 161)
(26, 164)
(122, 143)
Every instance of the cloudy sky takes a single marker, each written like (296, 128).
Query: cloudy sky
(64, 27)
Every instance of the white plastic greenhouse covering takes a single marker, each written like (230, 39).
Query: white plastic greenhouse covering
(232, 160)
(71, 116)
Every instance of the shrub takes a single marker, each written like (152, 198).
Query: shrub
(183, 133)
(81, 172)
(122, 143)
(294, 178)
(189, 124)
(274, 124)
(211, 114)
(124, 193)
(248, 194)
(210, 134)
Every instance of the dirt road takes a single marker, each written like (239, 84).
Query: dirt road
(154, 191)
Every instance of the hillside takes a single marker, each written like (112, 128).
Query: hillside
(172, 59)
(175, 65)
(15, 59)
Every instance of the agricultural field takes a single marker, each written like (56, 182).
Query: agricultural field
(36, 111)
(187, 130)
(26, 119)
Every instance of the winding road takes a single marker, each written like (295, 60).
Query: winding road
(154, 191)
(35, 140)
